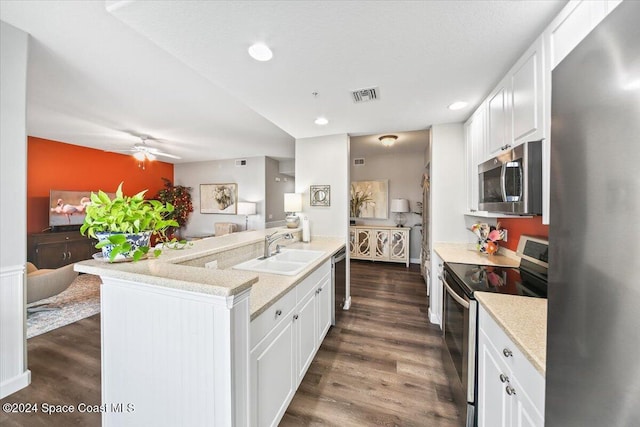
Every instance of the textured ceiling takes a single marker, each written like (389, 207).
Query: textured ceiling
(179, 71)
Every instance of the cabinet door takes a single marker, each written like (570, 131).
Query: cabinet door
(304, 321)
(494, 404)
(474, 154)
(527, 96)
(364, 243)
(80, 250)
(381, 244)
(400, 245)
(51, 255)
(498, 120)
(524, 412)
(352, 242)
(324, 308)
(272, 376)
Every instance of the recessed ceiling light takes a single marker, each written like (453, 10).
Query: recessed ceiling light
(321, 121)
(457, 105)
(260, 52)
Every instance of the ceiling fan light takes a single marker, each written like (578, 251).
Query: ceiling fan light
(139, 156)
(388, 140)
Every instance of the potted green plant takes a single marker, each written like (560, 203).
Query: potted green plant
(124, 225)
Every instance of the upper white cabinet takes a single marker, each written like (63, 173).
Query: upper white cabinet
(498, 119)
(527, 96)
(475, 133)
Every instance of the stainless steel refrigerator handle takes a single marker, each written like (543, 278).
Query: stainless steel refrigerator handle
(455, 296)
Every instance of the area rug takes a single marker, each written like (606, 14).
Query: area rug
(81, 299)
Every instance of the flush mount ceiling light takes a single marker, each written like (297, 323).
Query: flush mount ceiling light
(321, 121)
(260, 52)
(388, 140)
(458, 105)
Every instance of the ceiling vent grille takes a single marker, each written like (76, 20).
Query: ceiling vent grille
(365, 95)
(358, 162)
(241, 162)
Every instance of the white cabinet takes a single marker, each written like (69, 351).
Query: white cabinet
(475, 149)
(498, 120)
(510, 390)
(527, 96)
(435, 293)
(284, 340)
(379, 243)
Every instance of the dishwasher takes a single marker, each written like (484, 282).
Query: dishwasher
(338, 284)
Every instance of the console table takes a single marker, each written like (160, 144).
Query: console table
(379, 243)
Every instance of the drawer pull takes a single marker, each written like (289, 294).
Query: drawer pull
(278, 313)
(504, 378)
(510, 390)
(295, 317)
(507, 352)
(319, 290)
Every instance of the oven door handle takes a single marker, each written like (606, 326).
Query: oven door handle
(455, 296)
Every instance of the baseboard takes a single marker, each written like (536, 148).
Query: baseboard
(414, 260)
(347, 304)
(14, 384)
(433, 318)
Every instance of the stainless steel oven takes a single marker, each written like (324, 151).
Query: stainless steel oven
(459, 352)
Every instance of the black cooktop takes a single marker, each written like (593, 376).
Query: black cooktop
(504, 280)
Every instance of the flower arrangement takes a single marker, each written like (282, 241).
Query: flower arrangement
(360, 198)
(180, 197)
(223, 196)
(488, 237)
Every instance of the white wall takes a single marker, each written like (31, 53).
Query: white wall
(404, 172)
(447, 200)
(324, 160)
(13, 204)
(251, 188)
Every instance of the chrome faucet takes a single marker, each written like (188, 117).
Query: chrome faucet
(270, 239)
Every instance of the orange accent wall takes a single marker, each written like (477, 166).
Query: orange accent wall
(60, 166)
(519, 226)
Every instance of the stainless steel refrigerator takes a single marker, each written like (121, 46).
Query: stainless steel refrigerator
(593, 353)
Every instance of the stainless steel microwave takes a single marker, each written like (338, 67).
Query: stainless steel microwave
(511, 182)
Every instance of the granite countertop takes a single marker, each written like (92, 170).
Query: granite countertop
(166, 271)
(524, 320)
(462, 253)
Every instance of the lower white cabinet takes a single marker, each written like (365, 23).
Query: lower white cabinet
(284, 340)
(510, 389)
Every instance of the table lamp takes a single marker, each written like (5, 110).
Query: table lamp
(400, 207)
(292, 205)
(246, 209)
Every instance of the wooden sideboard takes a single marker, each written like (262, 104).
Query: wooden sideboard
(55, 249)
(379, 243)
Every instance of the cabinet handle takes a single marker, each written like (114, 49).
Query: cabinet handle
(507, 352)
(319, 290)
(278, 313)
(64, 256)
(504, 378)
(510, 390)
(295, 317)
(69, 255)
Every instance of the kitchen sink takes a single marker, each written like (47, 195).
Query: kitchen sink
(288, 262)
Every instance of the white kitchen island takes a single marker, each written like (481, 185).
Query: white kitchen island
(177, 337)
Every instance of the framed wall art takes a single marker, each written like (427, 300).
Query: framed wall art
(369, 199)
(320, 195)
(219, 198)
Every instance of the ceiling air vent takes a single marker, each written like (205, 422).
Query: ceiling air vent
(365, 95)
(358, 162)
(241, 162)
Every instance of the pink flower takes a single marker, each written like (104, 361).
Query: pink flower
(494, 235)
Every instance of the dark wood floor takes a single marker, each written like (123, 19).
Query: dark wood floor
(380, 365)
(65, 370)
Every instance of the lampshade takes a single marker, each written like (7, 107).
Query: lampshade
(292, 202)
(246, 208)
(399, 205)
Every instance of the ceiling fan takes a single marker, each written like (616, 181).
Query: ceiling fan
(144, 152)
